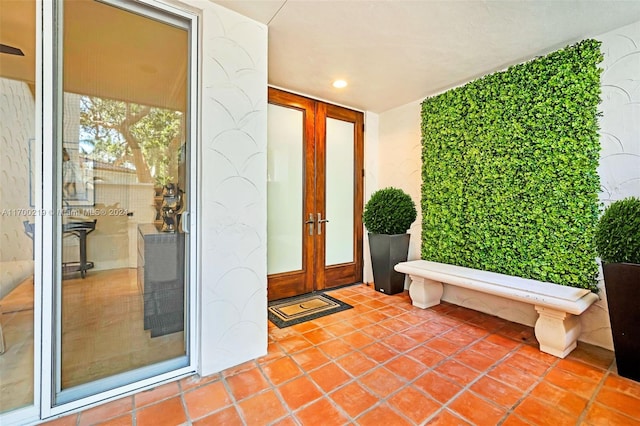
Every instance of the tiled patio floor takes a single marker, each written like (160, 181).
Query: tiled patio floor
(387, 363)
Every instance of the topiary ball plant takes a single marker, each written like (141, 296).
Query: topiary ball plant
(618, 232)
(389, 211)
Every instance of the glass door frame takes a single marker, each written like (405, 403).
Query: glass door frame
(48, 112)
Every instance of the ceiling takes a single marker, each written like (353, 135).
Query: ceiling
(394, 52)
(391, 52)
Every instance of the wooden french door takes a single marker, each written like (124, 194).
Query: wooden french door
(315, 181)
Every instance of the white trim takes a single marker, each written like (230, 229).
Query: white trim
(45, 277)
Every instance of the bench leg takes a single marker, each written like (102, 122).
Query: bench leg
(424, 292)
(557, 331)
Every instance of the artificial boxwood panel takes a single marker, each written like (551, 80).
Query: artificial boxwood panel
(509, 170)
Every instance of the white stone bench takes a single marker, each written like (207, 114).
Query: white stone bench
(557, 327)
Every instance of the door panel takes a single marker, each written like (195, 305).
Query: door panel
(290, 185)
(329, 223)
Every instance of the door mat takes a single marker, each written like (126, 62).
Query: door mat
(295, 310)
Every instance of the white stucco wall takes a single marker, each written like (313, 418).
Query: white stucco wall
(399, 163)
(17, 127)
(232, 192)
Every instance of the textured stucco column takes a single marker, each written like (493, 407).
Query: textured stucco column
(424, 292)
(557, 331)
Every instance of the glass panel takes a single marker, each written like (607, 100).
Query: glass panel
(123, 189)
(284, 189)
(339, 192)
(17, 191)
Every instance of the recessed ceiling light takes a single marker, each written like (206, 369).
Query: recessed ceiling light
(339, 84)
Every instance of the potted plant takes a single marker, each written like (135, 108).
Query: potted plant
(387, 216)
(618, 243)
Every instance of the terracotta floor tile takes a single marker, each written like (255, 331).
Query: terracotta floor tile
(310, 359)
(274, 351)
(169, 412)
(406, 367)
(106, 411)
(375, 304)
(542, 414)
(377, 331)
(305, 327)
(622, 384)
(560, 398)
(382, 415)
(526, 364)
(246, 366)
(420, 333)
(126, 420)
(299, 392)
(318, 336)
(534, 353)
(459, 337)
(593, 355)
(195, 381)
(399, 342)
(437, 386)
(446, 418)
(227, 417)
(581, 369)
(456, 372)
(356, 363)
(489, 349)
(262, 408)
(392, 310)
(335, 348)
(444, 346)
(513, 377)
(619, 401)
(354, 399)
(515, 420)
(474, 360)
(329, 377)
(502, 341)
(321, 412)
(395, 324)
(294, 344)
(477, 410)
(569, 381)
(379, 352)
(287, 421)
(339, 329)
(414, 404)
(600, 415)
(156, 394)
(206, 399)
(519, 333)
(426, 356)
(382, 382)
(281, 370)
(473, 330)
(496, 391)
(357, 339)
(247, 383)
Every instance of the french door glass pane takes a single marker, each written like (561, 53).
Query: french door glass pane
(123, 174)
(17, 203)
(339, 191)
(284, 188)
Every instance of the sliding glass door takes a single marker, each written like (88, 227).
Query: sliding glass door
(123, 186)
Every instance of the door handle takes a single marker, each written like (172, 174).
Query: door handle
(310, 222)
(320, 222)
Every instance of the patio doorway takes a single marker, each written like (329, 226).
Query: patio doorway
(315, 196)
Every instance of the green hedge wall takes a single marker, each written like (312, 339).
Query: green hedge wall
(509, 170)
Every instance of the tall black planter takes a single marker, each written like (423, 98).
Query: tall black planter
(386, 252)
(622, 282)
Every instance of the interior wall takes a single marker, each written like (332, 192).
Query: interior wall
(233, 189)
(400, 161)
(17, 126)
